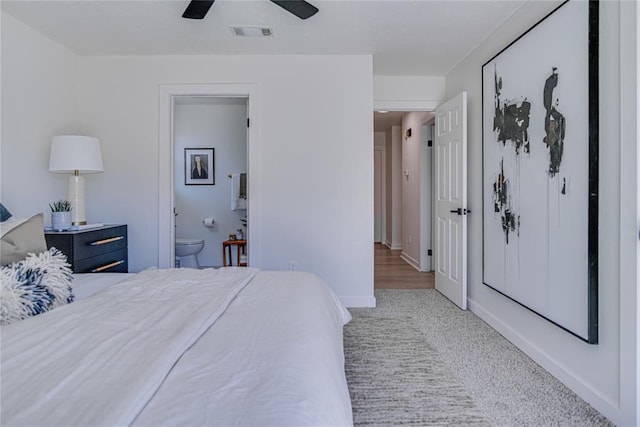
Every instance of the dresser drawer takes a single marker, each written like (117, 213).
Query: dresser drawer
(111, 262)
(94, 250)
(97, 242)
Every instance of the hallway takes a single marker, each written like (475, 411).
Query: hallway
(392, 272)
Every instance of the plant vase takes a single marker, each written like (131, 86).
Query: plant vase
(60, 221)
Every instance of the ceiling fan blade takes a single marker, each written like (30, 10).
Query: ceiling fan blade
(197, 9)
(300, 8)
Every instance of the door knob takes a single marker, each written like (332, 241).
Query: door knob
(460, 211)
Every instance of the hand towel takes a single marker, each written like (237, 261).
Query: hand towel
(237, 201)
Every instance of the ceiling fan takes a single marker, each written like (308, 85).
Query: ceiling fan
(197, 9)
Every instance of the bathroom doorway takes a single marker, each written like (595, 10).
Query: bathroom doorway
(212, 131)
(169, 174)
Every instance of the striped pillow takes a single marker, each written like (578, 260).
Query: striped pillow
(34, 285)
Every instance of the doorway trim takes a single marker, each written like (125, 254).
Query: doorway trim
(381, 191)
(416, 105)
(166, 218)
(426, 196)
(423, 106)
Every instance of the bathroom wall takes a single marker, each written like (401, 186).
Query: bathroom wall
(208, 122)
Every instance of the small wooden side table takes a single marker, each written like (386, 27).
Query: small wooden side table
(241, 246)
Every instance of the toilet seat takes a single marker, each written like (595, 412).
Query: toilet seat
(187, 242)
(186, 250)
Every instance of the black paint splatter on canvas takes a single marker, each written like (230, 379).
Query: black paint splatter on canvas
(554, 125)
(502, 204)
(511, 121)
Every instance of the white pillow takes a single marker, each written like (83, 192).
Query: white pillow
(21, 237)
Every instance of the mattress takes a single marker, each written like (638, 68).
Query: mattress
(232, 346)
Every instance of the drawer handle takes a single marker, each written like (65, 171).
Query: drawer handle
(108, 266)
(105, 241)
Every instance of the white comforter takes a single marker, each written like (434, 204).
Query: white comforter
(183, 347)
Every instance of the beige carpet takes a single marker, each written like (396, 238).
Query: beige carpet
(414, 336)
(395, 378)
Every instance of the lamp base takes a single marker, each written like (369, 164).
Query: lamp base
(76, 197)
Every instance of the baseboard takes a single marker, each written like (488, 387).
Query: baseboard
(412, 262)
(393, 246)
(358, 301)
(601, 403)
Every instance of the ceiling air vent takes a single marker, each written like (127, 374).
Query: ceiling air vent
(251, 31)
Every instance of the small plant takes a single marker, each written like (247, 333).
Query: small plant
(60, 206)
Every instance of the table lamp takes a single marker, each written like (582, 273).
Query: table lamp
(76, 154)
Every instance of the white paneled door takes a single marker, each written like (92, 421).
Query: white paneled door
(451, 199)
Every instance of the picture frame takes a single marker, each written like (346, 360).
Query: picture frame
(199, 166)
(540, 169)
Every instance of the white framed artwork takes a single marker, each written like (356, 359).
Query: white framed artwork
(540, 169)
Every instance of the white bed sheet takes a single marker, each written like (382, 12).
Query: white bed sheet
(87, 284)
(275, 357)
(97, 362)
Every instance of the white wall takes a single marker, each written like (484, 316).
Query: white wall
(630, 215)
(379, 139)
(316, 182)
(593, 371)
(408, 93)
(221, 124)
(39, 100)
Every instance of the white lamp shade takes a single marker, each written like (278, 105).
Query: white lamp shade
(71, 153)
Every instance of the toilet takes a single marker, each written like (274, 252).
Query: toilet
(186, 250)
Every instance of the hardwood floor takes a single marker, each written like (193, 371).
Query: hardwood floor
(392, 272)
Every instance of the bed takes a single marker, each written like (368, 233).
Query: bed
(228, 346)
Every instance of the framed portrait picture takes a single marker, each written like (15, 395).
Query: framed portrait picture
(540, 169)
(199, 166)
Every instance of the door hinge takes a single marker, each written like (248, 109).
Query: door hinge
(248, 122)
(429, 252)
(430, 143)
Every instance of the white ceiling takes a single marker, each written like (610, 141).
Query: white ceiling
(383, 121)
(405, 37)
